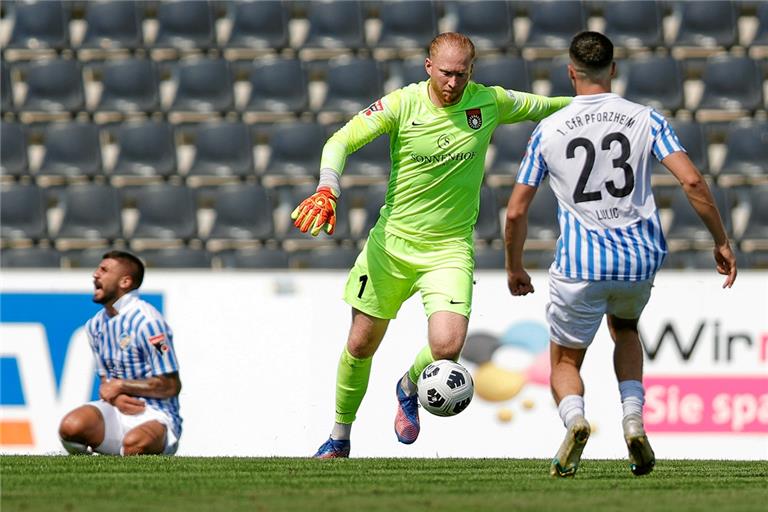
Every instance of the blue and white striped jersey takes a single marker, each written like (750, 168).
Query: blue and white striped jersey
(137, 343)
(597, 153)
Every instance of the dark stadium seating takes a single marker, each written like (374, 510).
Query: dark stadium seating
(222, 150)
(634, 24)
(14, 161)
(278, 86)
(129, 85)
(336, 25)
(176, 257)
(146, 151)
(508, 72)
(259, 25)
(53, 86)
(218, 111)
(113, 25)
(326, 257)
(91, 213)
(185, 25)
(488, 23)
(39, 25)
(72, 150)
(22, 213)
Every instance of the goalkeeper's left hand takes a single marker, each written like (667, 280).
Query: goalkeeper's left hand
(316, 212)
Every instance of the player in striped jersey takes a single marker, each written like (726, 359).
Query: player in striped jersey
(439, 132)
(597, 153)
(133, 346)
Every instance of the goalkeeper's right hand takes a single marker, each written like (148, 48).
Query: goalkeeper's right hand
(316, 212)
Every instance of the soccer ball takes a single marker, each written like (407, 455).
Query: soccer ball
(445, 388)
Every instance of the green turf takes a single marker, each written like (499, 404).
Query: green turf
(277, 484)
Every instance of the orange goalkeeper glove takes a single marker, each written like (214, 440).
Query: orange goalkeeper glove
(316, 212)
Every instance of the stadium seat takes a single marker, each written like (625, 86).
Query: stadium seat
(374, 199)
(113, 25)
(754, 260)
(40, 25)
(295, 150)
(509, 142)
(22, 213)
(726, 98)
(290, 197)
(129, 85)
(559, 81)
(656, 81)
(176, 257)
(406, 26)
(259, 25)
(690, 259)
(6, 89)
(686, 229)
(705, 27)
(72, 150)
(331, 257)
(278, 86)
(146, 152)
(489, 257)
(543, 226)
(30, 257)
(693, 138)
(758, 47)
(553, 25)
(14, 161)
(204, 86)
(746, 154)
(352, 85)
(488, 227)
(488, 23)
(755, 234)
(88, 259)
(507, 72)
(185, 25)
(409, 71)
(167, 214)
(335, 26)
(634, 24)
(252, 258)
(53, 86)
(92, 213)
(223, 150)
(244, 213)
(369, 164)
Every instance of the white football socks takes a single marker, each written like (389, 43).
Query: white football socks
(571, 407)
(341, 431)
(632, 397)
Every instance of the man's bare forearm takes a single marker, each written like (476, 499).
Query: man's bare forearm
(161, 386)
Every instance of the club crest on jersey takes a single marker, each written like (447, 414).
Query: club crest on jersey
(376, 106)
(124, 340)
(158, 341)
(474, 118)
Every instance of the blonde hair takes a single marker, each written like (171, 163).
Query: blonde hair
(453, 39)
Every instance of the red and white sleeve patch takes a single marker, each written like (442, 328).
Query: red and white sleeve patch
(376, 106)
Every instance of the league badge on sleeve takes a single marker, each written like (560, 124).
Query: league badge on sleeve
(376, 106)
(158, 341)
(474, 118)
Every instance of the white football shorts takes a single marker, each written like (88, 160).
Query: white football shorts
(577, 307)
(117, 424)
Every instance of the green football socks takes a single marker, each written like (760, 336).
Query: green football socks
(423, 358)
(351, 385)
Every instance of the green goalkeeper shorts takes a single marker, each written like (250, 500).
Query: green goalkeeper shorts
(390, 269)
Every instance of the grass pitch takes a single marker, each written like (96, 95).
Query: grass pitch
(289, 484)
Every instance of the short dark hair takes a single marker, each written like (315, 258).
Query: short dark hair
(134, 264)
(591, 51)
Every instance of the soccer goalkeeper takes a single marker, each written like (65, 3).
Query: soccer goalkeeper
(439, 131)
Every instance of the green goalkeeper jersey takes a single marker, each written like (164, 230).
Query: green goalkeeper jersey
(437, 154)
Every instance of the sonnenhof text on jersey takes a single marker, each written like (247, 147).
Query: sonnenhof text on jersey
(595, 117)
(431, 159)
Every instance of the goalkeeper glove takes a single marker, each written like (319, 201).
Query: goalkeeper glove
(316, 211)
